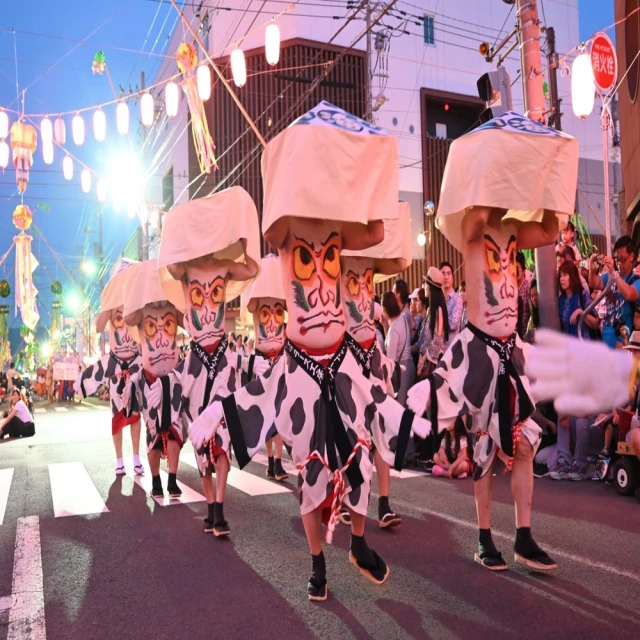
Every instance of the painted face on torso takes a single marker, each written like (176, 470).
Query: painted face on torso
(310, 263)
(268, 323)
(492, 288)
(120, 341)
(357, 297)
(205, 292)
(158, 331)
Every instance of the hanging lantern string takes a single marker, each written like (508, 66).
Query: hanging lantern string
(236, 43)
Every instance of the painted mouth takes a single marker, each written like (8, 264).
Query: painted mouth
(269, 340)
(161, 357)
(212, 334)
(365, 324)
(320, 325)
(505, 314)
(325, 313)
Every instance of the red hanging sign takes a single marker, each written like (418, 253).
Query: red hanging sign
(604, 62)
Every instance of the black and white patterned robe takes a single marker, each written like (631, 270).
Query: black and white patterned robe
(375, 363)
(112, 368)
(195, 383)
(477, 376)
(326, 416)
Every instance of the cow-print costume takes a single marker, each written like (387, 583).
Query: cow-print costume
(117, 371)
(194, 384)
(483, 377)
(325, 413)
(375, 363)
(159, 426)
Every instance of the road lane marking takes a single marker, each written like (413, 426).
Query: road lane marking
(80, 408)
(73, 491)
(188, 494)
(242, 480)
(26, 618)
(5, 603)
(60, 409)
(40, 410)
(6, 475)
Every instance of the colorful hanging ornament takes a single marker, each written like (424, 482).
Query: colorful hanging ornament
(26, 291)
(98, 63)
(56, 319)
(5, 289)
(187, 60)
(22, 217)
(56, 288)
(23, 142)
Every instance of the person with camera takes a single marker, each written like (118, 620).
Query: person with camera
(624, 292)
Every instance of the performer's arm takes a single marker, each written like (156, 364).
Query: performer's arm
(91, 378)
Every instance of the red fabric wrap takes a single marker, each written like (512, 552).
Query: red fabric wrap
(120, 421)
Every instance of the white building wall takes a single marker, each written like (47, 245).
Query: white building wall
(453, 64)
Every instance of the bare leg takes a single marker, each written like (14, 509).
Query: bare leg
(207, 487)
(269, 445)
(312, 523)
(117, 443)
(222, 471)
(522, 482)
(135, 438)
(278, 441)
(357, 523)
(384, 474)
(483, 490)
(154, 461)
(173, 456)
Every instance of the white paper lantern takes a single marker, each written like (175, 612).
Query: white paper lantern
(47, 153)
(146, 109)
(4, 154)
(272, 43)
(67, 168)
(122, 118)
(85, 180)
(46, 132)
(99, 125)
(171, 99)
(203, 76)
(59, 131)
(77, 130)
(101, 190)
(583, 86)
(238, 67)
(4, 124)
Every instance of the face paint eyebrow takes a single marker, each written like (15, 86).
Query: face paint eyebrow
(169, 313)
(216, 280)
(332, 235)
(194, 281)
(496, 246)
(352, 273)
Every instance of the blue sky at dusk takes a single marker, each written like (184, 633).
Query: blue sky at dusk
(56, 41)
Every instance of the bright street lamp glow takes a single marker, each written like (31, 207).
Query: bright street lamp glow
(73, 301)
(126, 180)
(88, 267)
(422, 239)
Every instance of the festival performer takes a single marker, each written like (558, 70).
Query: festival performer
(327, 188)
(489, 215)
(265, 301)
(153, 315)
(211, 248)
(122, 361)
(360, 270)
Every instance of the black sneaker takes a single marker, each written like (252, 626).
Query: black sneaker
(280, 474)
(271, 469)
(317, 592)
(540, 470)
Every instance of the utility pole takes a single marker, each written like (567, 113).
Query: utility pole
(144, 223)
(555, 120)
(534, 108)
(369, 112)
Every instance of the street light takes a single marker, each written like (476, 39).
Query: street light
(88, 267)
(73, 301)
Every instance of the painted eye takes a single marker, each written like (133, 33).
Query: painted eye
(513, 265)
(217, 293)
(493, 260)
(369, 283)
(331, 265)
(279, 313)
(353, 286)
(303, 264)
(264, 315)
(170, 326)
(197, 297)
(150, 328)
(118, 321)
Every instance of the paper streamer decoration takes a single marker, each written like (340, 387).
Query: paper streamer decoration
(26, 292)
(187, 60)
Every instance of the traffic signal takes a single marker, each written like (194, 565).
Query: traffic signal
(494, 88)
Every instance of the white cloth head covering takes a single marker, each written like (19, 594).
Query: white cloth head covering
(217, 225)
(329, 165)
(393, 254)
(143, 288)
(113, 294)
(267, 285)
(510, 163)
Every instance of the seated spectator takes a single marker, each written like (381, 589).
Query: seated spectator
(573, 301)
(588, 438)
(452, 460)
(19, 422)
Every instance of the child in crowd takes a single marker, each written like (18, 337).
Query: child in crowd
(568, 236)
(452, 460)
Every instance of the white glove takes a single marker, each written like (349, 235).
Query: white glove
(418, 397)
(205, 427)
(154, 395)
(583, 378)
(261, 366)
(421, 427)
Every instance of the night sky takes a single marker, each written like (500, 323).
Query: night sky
(56, 42)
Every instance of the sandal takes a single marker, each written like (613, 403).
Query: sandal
(491, 560)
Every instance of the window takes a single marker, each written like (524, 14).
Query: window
(441, 130)
(428, 30)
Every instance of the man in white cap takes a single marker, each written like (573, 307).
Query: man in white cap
(265, 301)
(153, 316)
(327, 188)
(211, 248)
(360, 269)
(122, 361)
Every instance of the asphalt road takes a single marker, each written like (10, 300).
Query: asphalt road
(145, 570)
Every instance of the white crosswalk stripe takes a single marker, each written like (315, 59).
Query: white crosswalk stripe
(242, 480)
(60, 409)
(6, 475)
(40, 410)
(81, 408)
(73, 491)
